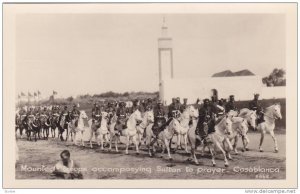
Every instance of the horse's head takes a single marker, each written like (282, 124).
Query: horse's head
(137, 115)
(83, 115)
(193, 112)
(277, 111)
(104, 115)
(226, 125)
(150, 116)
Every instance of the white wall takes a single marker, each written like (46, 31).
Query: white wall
(273, 92)
(243, 87)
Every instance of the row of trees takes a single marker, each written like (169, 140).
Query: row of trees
(276, 78)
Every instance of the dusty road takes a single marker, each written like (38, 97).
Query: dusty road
(36, 160)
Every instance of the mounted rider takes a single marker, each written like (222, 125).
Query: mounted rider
(159, 118)
(184, 105)
(96, 114)
(256, 106)
(110, 109)
(75, 112)
(230, 105)
(207, 118)
(149, 105)
(122, 117)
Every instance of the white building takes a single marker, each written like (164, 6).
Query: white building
(243, 87)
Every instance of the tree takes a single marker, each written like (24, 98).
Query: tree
(276, 78)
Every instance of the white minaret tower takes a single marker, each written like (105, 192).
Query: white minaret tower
(165, 59)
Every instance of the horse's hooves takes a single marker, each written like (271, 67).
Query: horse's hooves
(215, 165)
(137, 153)
(226, 165)
(261, 150)
(171, 159)
(276, 151)
(247, 149)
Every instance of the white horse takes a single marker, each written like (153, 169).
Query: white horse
(163, 138)
(249, 115)
(148, 118)
(130, 132)
(218, 138)
(189, 113)
(103, 130)
(82, 126)
(239, 128)
(271, 114)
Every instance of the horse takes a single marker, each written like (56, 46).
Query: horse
(100, 128)
(249, 115)
(189, 113)
(239, 128)
(33, 127)
(164, 137)
(148, 118)
(20, 124)
(94, 129)
(45, 125)
(272, 113)
(80, 128)
(218, 138)
(130, 132)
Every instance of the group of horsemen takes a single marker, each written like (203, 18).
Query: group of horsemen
(209, 112)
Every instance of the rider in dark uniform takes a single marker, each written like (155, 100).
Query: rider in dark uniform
(122, 117)
(96, 113)
(230, 105)
(184, 105)
(64, 112)
(75, 112)
(149, 105)
(206, 117)
(159, 118)
(256, 106)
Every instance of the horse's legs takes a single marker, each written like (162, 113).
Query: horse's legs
(110, 142)
(135, 138)
(168, 148)
(185, 143)
(224, 153)
(263, 132)
(211, 150)
(101, 141)
(178, 146)
(67, 133)
(116, 143)
(274, 139)
(245, 143)
(91, 137)
(127, 143)
(236, 138)
(82, 141)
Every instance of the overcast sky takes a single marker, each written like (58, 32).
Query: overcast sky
(94, 53)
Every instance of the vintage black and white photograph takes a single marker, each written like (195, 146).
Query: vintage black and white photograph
(145, 96)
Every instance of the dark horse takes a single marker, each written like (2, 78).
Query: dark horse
(53, 124)
(62, 126)
(34, 126)
(20, 124)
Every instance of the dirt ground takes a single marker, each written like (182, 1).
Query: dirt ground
(36, 161)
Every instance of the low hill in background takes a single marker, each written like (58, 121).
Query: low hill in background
(229, 73)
